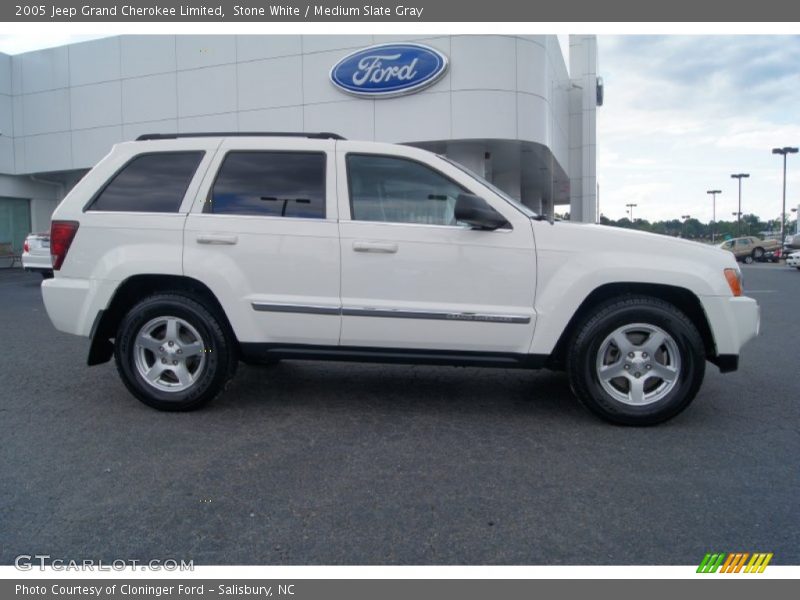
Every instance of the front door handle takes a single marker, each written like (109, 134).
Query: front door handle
(217, 239)
(377, 247)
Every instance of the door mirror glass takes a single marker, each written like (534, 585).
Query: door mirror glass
(476, 212)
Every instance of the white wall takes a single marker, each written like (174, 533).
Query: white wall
(582, 128)
(62, 109)
(72, 103)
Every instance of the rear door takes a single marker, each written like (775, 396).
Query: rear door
(263, 235)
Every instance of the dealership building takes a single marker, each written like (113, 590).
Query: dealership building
(519, 110)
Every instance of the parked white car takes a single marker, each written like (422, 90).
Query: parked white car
(181, 255)
(793, 260)
(36, 254)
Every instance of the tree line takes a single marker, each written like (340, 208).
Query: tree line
(696, 230)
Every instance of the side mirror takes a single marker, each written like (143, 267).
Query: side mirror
(476, 212)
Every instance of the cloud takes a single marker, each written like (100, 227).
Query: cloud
(684, 112)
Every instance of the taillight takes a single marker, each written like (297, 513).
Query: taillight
(25, 246)
(61, 235)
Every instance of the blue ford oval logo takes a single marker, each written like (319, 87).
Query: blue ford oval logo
(389, 70)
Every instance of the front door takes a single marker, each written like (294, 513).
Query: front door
(415, 278)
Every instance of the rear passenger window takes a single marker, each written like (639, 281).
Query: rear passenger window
(154, 182)
(272, 184)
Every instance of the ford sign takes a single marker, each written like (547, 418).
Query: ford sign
(389, 70)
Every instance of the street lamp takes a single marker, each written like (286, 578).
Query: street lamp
(683, 227)
(630, 210)
(739, 176)
(784, 151)
(713, 212)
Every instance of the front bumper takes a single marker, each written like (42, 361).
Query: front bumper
(734, 322)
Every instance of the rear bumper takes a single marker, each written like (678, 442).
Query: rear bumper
(73, 304)
(36, 262)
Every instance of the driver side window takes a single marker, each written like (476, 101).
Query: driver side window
(398, 190)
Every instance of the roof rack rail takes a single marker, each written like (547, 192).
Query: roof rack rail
(322, 135)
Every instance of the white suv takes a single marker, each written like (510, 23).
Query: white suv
(181, 255)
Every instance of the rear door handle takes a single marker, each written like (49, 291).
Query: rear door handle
(217, 239)
(376, 247)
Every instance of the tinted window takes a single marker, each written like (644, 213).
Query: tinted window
(279, 184)
(398, 190)
(153, 182)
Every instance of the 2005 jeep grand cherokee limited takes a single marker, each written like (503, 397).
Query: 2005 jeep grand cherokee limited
(181, 255)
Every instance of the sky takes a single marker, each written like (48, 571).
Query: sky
(681, 114)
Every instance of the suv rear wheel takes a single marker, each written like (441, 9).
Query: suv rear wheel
(637, 361)
(173, 353)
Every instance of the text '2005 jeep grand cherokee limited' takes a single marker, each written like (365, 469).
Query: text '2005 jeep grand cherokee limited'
(182, 254)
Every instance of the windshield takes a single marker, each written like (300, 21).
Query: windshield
(513, 201)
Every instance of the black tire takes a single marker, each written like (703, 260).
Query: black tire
(609, 317)
(219, 351)
(748, 260)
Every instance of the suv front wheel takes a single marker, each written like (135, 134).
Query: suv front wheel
(637, 361)
(173, 353)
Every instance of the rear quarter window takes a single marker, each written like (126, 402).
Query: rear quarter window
(153, 182)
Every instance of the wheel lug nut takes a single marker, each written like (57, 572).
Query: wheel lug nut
(171, 343)
(161, 348)
(637, 374)
(630, 354)
(174, 362)
(644, 354)
(627, 367)
(648, 367)
(180, 351)
(164, 361)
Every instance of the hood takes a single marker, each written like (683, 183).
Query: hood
(591, 237)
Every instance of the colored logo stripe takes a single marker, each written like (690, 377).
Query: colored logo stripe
(734, 562)
(710, 563)
(758, 563)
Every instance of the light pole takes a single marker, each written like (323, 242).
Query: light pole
(784, 151)
(713, 212)
(630, 210)
(737, 215)
(683, 227)
(739, 176)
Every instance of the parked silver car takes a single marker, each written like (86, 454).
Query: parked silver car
(36, 254)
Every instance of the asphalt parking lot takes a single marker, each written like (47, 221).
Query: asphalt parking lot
(337, 463)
